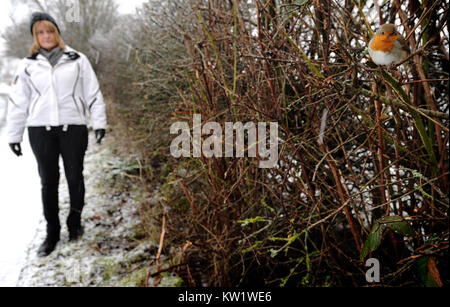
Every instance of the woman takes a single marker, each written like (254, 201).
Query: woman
(53, 93)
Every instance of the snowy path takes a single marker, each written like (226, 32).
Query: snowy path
(75, 263)
(20, 208)
(113, 250)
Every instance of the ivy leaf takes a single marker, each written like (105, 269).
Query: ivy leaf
(372, 241)
(398, 224)
(273, 253)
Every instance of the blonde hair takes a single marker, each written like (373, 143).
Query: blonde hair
(48, 26)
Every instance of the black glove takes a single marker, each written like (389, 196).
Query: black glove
(99, 135)
(15, 147)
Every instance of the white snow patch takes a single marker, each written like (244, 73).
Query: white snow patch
(20, 207)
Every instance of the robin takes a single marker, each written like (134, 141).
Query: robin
(388, 46)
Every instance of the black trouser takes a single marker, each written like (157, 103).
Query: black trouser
(47, 146)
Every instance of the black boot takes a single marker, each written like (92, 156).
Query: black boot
(75, 233)
(48, 246)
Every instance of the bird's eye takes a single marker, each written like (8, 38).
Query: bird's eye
(382, 33)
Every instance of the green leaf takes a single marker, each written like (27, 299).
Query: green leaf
(419, 188)
(416, 174)
(425, 276)
(398, 224)
(422, 269)
(433, 238)
(373, 240)
(273, 253)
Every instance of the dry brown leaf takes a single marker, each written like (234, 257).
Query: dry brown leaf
(434, 272)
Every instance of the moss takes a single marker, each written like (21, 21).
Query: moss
(171, 281)
(111, 268)
(135, 279)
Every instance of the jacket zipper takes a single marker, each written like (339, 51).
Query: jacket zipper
(55, 97)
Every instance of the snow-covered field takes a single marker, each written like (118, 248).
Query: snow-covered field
(20, 208)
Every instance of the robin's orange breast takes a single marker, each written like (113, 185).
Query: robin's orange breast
(383, 42)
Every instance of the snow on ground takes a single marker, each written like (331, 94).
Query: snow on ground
(20, 207)
(112, 251)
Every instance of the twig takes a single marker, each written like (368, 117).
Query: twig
(158, 255)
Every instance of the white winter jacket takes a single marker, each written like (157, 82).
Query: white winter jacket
(66, 94)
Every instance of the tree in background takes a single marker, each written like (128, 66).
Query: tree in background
(81, 23)
(17, 39)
